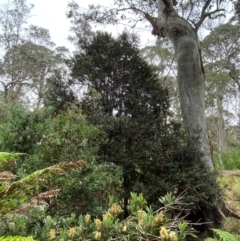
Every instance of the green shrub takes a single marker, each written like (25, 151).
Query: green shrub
(142, 224)
(22, 129)
(68, 136)
(88, 191)
(231, 159)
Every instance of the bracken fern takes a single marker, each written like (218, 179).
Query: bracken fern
(222, 236)
(5, 157)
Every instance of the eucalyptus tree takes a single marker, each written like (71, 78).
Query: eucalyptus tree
(25, 69)
(28, 55)
(23, 65)
(180, 25)
(80, 29)
(13, 19)
(221, 49)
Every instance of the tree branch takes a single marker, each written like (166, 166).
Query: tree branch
(204, 15)
(148, 17)
(168, 4)
(1, 82)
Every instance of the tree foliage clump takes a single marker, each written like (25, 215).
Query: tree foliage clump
(126, 99)
(22, 128)
(58, 94)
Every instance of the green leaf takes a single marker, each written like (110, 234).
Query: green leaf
(224, 235)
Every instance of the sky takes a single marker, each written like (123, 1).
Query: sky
(51, 15)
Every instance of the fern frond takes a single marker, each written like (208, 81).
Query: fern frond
(224, 235)
(6, 157)
(14, 194)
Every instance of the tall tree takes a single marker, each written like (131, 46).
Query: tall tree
(29, 56)
(23, 65)
(58, 93)
(221, 50)
(131, 105)
(13, 18)
(25, 69)
(126, 99)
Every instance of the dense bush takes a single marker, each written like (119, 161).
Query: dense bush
(127, 100)
(231, 159)
(67, 136)
(22, 128)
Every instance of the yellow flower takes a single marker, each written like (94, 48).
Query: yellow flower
(87, 218)
(52, 234)
(124, 228)
(173, 236)
(175, 191)
(115, 209)
(141, 214)
(98, 223)
(98, 235)
(107, 216)
(72, 232)
(48, 218)
(159, 218)
(163, 233)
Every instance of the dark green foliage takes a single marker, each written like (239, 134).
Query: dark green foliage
(127, 100)
(87, 192)
(51, 139)
(131, 106)
(69, 137)
(58, 94)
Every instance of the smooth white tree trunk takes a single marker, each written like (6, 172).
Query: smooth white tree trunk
(190, 78)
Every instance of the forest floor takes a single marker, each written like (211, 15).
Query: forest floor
(230, 183)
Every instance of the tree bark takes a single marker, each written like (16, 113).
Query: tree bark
(190, 78)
